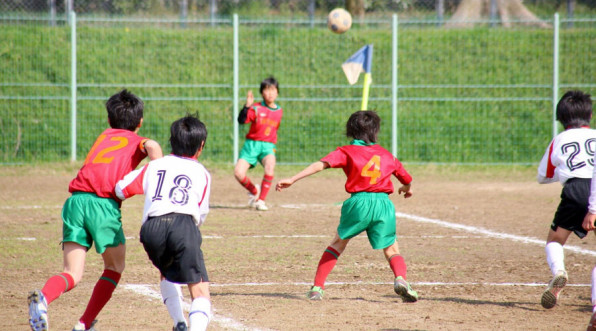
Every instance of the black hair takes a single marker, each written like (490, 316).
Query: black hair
(125, 110)
(269, 81)
(187, 135)
(363, 125)
(574, 110)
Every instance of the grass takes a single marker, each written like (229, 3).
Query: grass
(466, 96)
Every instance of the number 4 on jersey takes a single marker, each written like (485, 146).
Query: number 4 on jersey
(372, 169)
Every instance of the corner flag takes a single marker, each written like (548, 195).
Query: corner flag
(361, 61)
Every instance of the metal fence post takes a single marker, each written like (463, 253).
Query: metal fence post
(394, 89)
(555, 72)
(235, 87)
(73, 86)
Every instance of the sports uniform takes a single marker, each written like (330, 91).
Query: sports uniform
(369, 168)
(177, 193)
(569, 160)
(262, 135)
(92, 213)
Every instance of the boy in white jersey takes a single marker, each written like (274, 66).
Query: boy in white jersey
(568, 159)
(177, 189)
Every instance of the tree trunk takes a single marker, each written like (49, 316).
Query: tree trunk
(355, 8)
(470, 11)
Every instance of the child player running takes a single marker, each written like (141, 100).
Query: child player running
(92, 213)
(569, 160)
(369, 168)
(259, 146)
(177, 189)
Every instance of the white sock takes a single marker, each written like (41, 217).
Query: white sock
(555, 257)
(594, 289)
(200, 314)
(171, 294)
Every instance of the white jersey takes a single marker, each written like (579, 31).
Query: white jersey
(569, 155)
(171, 184)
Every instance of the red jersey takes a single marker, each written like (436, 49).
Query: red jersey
(368, 167)
(265, 122)
(115, 153)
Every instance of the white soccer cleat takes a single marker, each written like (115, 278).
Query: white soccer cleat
(252, 198)
(261, 206)
(38, 311)
(551, 294)
(81, 327)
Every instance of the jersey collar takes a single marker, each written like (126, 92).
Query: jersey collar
(359, 142)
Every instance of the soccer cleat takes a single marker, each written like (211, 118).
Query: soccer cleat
(81, 327)
(252, 198)
(315, 293)
(403, 289)
(592, 325)
(38, 311)
(261, 206)
(551, 294)
(181, 326)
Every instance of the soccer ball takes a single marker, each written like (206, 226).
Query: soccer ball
(339, 20)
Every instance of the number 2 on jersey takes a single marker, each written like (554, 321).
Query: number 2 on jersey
(574, 149)
(372, 169)
(100, 156)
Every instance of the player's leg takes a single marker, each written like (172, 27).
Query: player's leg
(592, 324)
(200, 309)
(114, 262)
(326, 264)
(555, 257)
(268, 163)
(240, 171)
(38, 300)
(399, 268)
(171, 295)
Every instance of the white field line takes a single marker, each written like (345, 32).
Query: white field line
(225, 322)
(489, 233)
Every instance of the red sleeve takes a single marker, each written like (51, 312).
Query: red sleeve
(135, 186)
(251, 115)
(335, 159)
(550, 168)
(401, 174)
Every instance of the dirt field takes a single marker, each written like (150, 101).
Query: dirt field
(473, 239)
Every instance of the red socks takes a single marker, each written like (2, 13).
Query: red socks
(398, 265)
(265, 186)
(248, 185)
(326, 264)
(57, 285)
(102, 293)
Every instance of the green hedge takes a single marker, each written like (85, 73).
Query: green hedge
(478, 95)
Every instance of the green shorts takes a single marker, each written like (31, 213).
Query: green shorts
(87, 218)
(254, 151)
(370, 212)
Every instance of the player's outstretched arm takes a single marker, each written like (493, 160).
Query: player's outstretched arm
(153, 149)
(310, 170)
(406, 190)
(588, 223)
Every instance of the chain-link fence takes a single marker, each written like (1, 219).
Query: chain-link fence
(481, 94)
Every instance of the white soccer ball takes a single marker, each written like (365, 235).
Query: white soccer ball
(339, 20)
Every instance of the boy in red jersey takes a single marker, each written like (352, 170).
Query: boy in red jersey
(92, 213)
(259, 146)
(368, 167)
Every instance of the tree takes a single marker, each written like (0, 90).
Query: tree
(469, 11)
(355, 8)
